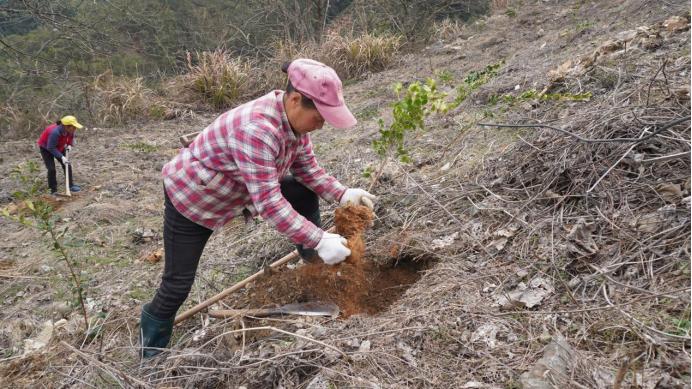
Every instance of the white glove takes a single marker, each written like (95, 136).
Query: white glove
(358, 197)
(64, 160)
(332, 248)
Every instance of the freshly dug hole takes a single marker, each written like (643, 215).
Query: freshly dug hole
(358, 285)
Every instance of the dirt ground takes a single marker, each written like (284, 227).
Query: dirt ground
(490, 248)
(359, 285)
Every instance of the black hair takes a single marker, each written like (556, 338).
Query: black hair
(304, 101)
(58, 122)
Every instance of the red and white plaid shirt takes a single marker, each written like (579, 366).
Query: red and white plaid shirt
(236, 163)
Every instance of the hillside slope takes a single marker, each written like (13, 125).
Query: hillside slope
(529, 242)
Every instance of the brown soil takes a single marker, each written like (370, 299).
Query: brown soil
(19, 207)
(357, 285)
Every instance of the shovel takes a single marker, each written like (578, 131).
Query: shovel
(301, 309)
(67, 177)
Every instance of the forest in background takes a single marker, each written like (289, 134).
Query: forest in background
(117, 61)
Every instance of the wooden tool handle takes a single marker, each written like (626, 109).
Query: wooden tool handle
(211, 300)
(197, 308)
(67, 176)
(186, 139)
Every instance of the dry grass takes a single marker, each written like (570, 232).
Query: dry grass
(20, 122)
(286, 51)
(500, 4)
(220, 79)
(447, 29)
(353, 57)
(119, 100)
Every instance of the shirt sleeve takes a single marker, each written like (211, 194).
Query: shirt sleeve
(254, 151)
(306, 170)
(52, 144)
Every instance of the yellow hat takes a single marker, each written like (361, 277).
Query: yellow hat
(70, 121)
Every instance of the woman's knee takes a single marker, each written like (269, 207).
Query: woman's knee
(296, 191)
(301, 198)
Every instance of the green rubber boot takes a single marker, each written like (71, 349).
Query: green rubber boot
(154, 333)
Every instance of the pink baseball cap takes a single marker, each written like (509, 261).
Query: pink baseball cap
(322, 85)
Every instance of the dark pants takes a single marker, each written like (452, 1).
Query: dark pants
(49, 161)
(184, 242)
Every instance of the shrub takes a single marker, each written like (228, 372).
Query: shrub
(31, 210)
(119, 100)
(29, 111)
(17, 122)
(415, 19)
(415, 103)
(221, 79)
(352, 57)
(447, 29)
(474, 80)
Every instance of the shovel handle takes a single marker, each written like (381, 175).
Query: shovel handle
(199, 307)
(67, 177)
(186, 139)
(211, 300)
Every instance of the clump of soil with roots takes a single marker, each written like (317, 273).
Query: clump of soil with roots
(358, 285)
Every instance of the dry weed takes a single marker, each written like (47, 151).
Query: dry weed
(447, 29)
(26, 122)
(220, 79)
(353, 57)
(499, 4)
(120, 100)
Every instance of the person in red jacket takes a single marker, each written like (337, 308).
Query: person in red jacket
(53, 142)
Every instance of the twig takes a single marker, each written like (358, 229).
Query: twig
(622, 371)
(112, 371)
(429, 195)
(664, 127)
(582, 310)
(605, 295)
(270, 328)
(615, 164)
(19, 276)
(685, 154)
(495, 209)
(382, 332)
(648, 91)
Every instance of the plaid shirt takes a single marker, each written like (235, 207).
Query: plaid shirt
(236, 163)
